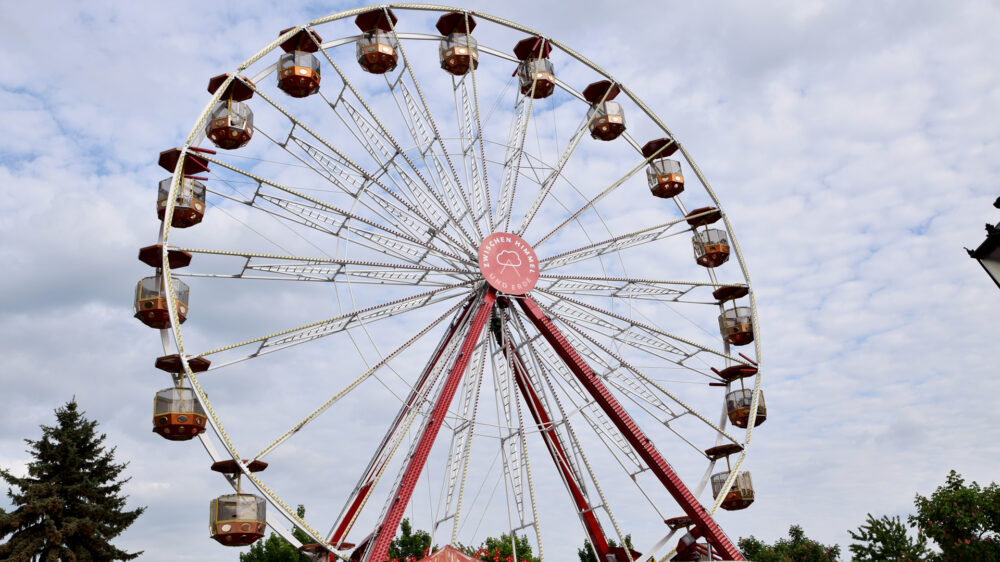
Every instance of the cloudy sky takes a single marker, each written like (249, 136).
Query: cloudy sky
(852, 146)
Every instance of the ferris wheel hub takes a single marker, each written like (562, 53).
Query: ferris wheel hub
(508, 263)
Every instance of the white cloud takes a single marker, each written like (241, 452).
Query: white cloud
(852, 148)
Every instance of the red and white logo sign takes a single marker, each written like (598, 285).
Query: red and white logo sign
(508, 263)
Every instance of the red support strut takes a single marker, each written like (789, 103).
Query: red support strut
(380, 458)
(379, 551)
(630, 430)
(559, 456)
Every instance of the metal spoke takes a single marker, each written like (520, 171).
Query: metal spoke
(482, 149)
(578, 453)
(400, 426)
(337, 171)
(426, 197)
(648, 330)
(371, 178)
(629, 385)
(329, 270)
(547, 362)
(610, 245)
(593, 201)
(369, 133)
(315, 330)
(515, 152)
(368, 374)
(476, 173)
(550, 181)
(317, 214)
(457, 467)
(511, 442)
(627, 287)
(449, 183)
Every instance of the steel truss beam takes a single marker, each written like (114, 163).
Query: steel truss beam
(704, 524)
(383, 453)
(555, 448)
(378, 546)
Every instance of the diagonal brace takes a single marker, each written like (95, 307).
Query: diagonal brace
(629, 429)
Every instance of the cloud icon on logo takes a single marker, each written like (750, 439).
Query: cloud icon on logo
(508, 258)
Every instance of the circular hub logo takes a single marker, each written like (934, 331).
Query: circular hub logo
(508, 263)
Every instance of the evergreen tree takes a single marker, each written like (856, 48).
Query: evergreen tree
(886, 539)
(70, 504)
(276, 548)
(796, 548)
(963, 519)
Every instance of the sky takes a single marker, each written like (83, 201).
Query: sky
(852, 146)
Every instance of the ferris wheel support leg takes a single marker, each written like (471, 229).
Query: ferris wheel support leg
(379, 459)
(559, 456)
(385, 532)
(630, 430)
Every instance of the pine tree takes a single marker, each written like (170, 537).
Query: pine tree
(70, 504)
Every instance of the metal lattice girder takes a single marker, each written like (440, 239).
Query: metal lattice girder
(618, 289)
(333, 167)
(549, 182)
(643, 445)
(610, 245)
(512, 160)
(537, 373)
(461, 440)
(279, 267)
(325, 217)
(590, 411)
(397, 430)
(630, 334)
(315, 330)
(510, 444)
(626, 371)
(343, 174)
(378, 549)
(479, 182)
(354, 167)
(530, 392)
(452, 194)
(582, 312)
(357, 382)
(422, 118)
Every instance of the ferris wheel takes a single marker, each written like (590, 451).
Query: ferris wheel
(418, 255)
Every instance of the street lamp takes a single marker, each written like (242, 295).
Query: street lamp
(988, 253)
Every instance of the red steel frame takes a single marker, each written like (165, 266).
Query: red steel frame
(559, 456)
(367, 482)
(377, 544)
(704, 524)
(384, 533)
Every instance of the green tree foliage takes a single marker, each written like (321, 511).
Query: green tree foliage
(276, 548)
(796, 548)
(409, 543)
(886, 539)
(502, 547)
(964, 520)
(70, 504)
(587, 554)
